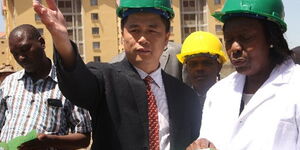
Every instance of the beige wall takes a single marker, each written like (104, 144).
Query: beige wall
(227, 67)
(176, 22)
(5, 56)
(108, 30)
(4, 53)
(211, 20)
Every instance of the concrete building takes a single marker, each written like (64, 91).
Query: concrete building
(3, 47)
(196, 15)
(6, 59)
(91, 24)
(94, 26)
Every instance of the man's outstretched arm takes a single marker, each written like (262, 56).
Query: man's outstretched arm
(54, 21)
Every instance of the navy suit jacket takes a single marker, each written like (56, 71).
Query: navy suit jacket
(116, 97)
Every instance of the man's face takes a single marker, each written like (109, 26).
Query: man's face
(145, 38)
(202, 71)
(27, 52)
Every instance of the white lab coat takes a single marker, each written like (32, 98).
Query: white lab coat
(270, 121)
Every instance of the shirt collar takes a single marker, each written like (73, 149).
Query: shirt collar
(156, 76)
(52, 74)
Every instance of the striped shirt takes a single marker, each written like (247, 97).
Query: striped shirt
(25, 106)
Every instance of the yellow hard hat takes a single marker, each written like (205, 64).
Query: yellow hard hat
(201, 42)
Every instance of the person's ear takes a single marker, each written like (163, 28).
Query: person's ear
(42, 41)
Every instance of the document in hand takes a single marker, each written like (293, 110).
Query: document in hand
(14, 143)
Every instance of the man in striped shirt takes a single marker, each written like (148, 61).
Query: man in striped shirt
(30, 99)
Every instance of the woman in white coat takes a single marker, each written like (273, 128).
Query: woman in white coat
(258, 106)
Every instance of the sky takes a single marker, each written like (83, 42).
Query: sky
(291, 8)
(291, 14)
(2, 22)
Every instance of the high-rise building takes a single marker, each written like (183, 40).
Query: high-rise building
(94, 26)
(4, 53)
(196, 16)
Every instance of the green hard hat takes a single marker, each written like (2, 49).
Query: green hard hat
(162, 7)
(271, 10)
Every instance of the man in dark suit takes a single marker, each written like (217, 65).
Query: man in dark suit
(134, 104)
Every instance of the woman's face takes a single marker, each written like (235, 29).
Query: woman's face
(247, 46)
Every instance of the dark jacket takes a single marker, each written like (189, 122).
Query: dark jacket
(116, 97)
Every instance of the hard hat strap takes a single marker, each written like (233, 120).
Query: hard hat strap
(213, 56)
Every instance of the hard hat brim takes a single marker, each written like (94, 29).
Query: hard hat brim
(224, 16)
(127, 12)
(221, 56)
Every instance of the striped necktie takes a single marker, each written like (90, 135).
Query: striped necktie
(152, 116)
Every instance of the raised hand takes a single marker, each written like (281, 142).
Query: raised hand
(51, 16)
(56, 24)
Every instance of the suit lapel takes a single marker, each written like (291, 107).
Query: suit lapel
(138, 88)
(174, 103)
(171, 105)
